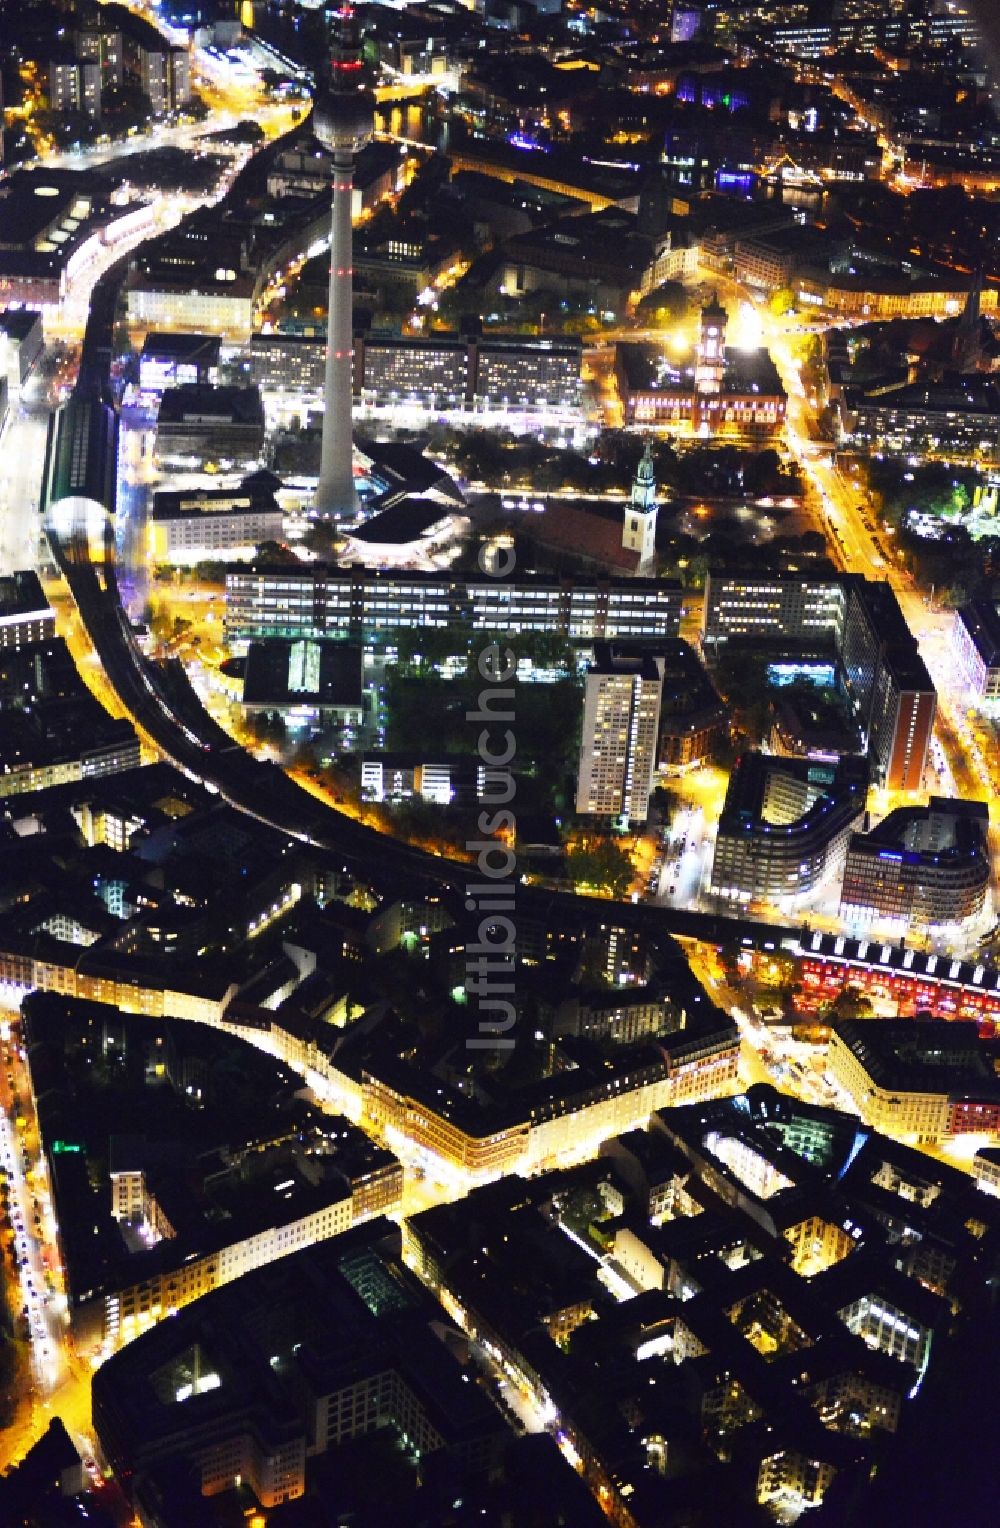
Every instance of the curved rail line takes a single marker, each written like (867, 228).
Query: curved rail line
(162, 702)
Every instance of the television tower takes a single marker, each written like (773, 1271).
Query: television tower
(343, 121)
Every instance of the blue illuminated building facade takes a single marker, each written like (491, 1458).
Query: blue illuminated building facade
(922, 869)
(823, 676)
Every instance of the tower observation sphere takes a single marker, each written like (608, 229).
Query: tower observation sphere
(344, 108)
(343, 122)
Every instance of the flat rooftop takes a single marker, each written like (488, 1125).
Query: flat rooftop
(20, 595)
(33, 203)
(981, 619)
(176, 504)
(925, 1056)
(196, 404)
(168, 346)
(303, 673)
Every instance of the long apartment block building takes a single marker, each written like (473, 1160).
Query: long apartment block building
(438, 371)
(688, 1066)
(770, 605)
(892, 692)
(512, 370)
(319, 601)
(923, 419)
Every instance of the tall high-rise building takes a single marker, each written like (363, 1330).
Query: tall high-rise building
(893, 694)
(75, 85)
(64, 85)
(686, 21)
(96, 43)
(180, 78)
(621, 719)
(165, 78)
(343, 123)
(316, 601)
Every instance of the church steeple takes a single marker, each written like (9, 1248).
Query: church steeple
(968, 344)
(639, 529)
(644, 484)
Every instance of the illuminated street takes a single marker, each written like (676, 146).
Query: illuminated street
(60, 1380)
(957, 763)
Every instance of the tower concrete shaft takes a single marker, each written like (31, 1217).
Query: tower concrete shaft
(343, 119)
(335, 492)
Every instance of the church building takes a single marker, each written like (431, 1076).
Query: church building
(619, 539)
